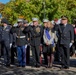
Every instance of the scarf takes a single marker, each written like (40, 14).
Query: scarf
(47, 34)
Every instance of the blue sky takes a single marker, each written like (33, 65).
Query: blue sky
(4, 1)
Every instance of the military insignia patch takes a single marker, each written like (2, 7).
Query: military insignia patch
(37, 29)
(22, 29)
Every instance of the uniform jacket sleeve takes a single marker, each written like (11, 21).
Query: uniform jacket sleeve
(11, 37)
(71, 33)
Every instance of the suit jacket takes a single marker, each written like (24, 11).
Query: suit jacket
(66, 34)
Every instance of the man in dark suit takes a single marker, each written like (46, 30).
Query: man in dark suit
(66, 39)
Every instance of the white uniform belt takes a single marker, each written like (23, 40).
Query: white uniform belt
(20, 36)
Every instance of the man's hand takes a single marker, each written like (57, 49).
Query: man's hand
(70, 44)
(25, 46)
(47, 43)
(10, 45)
(72, 41)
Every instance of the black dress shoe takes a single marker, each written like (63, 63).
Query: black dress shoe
(12, 63)
(19, 66)
(7, 65)
(23, 65)
(64, 67)
(37, 65)
(34, 65)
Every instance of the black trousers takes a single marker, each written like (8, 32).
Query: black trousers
(65, 55)
(75, 45)
(58, 52)
(7, 54)
(13, 54)
(28, 55)
(1, 49)
(35, 54)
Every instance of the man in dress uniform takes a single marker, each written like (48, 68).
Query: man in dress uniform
(36, 33)
(6, 38)
(66, 39)
(36, 41)
(0, 41)
(21, 42)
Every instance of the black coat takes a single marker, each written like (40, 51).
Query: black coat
(66, 34)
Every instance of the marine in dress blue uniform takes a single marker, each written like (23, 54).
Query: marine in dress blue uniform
(21, 42)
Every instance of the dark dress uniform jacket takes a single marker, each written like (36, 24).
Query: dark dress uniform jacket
(6, 35)
(21, 38)
(35, 36)
(66, 34)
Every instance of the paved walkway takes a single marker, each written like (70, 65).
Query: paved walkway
(28, 70)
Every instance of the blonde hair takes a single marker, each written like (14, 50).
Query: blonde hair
(50, 24)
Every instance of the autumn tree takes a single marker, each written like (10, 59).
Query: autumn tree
(39, 8)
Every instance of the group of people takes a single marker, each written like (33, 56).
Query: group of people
(46, 36)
